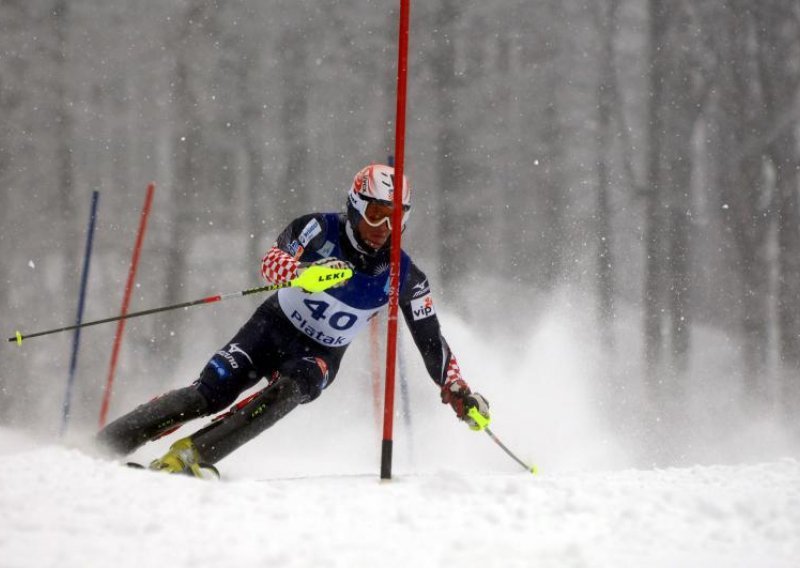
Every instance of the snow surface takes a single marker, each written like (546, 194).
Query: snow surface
(307, 494)
(62, 507)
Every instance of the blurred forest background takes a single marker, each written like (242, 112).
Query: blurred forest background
(636, 159)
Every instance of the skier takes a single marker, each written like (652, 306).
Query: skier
(297, 339)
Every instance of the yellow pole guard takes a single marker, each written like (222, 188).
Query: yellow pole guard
(320, 278)
(19, 338)
(480, 421)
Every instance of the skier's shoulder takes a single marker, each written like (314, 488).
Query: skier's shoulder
(312, 226)
(309, 222)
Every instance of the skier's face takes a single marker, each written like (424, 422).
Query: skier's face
(374, 236)
(378, 213)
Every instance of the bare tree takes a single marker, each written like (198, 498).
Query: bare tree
(13, 19)
(606, 20)
(294, 120)
(195, 31)
(736, 111)
(450, 169)
(778, 33)
(688, 89)
(677, 91)
(749, 109)
(63, 118)
(654, 305)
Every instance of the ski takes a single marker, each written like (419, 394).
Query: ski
(201, 470)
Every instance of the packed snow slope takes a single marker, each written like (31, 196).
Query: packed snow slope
(62, 507)
(306, 493)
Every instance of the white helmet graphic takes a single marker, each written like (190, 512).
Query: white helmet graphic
(375, 184)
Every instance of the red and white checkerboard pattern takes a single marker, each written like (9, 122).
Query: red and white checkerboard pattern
(453, 371)
(278, 266)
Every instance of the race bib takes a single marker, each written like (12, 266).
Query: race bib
(322, 317)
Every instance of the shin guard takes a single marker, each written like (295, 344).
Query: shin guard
(151, 420)
(246, 421)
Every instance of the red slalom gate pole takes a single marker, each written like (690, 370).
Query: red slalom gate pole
(375, 364)
(148, 202)
(397, 220)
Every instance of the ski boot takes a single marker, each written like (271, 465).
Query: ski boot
(183, 458)
(244, 421)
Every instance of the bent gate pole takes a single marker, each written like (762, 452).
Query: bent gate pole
(125, 302)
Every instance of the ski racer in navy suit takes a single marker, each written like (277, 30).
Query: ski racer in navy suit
(297, 339)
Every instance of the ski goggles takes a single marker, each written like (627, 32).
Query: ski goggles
(377, 213)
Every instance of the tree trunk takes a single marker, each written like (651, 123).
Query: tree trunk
(187, 149)
(740, 119)
(293, 191)
(679, 232)
(749, 232)
(63, 135)
(687, 94)
(784, 156)
(256, 189)
(778, 37)
(448, 152)
(605, 113)
(654, 307)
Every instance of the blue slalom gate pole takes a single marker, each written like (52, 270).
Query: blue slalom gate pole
(73, 362)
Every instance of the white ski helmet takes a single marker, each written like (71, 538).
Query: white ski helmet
(375, 184)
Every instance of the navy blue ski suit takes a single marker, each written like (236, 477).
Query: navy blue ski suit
(303, 335)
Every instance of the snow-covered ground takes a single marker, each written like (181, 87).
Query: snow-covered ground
(62, 507)
(307, 494)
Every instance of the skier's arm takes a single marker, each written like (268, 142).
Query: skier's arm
(416, 303)
(284, 260)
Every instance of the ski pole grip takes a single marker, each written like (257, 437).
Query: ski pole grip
(480, 421)
(320, 278)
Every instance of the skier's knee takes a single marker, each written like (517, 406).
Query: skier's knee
(312, 375)
(216, 397)
(247, 419)
(229, 372)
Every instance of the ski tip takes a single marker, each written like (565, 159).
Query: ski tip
(534, 470)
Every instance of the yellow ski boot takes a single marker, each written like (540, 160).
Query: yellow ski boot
(182, 457)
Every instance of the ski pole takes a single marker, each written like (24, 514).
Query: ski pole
(482, 424)
(313, 279)
(532, 468)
